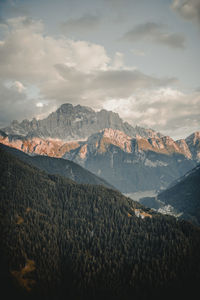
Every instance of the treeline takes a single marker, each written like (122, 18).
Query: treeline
(61, 240)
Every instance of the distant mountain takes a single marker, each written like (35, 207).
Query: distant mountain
(40, 146)
(193, 143)
(70, 122)
(61, 240)
(58, 166)
(133, 164)
(133, 159)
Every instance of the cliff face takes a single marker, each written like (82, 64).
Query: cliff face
(35, 145)
(133, 164)
(130, 164)
(130, 158)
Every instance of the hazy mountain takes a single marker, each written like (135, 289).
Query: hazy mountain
(58, 166)
(61, 240)
(70, 122)
(133, 164)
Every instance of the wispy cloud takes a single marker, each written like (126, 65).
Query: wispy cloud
(188, 9)
(138, 52)
(164, 109)
(86, 22)
(155, 32)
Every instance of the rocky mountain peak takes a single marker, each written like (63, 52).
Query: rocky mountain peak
(193, 142)
(194, 138)
(115, 134)
(70, 122)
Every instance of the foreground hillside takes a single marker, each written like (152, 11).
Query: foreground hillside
(58, 166)
(61, 240)
(184, 196)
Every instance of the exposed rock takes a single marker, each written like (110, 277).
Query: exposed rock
(70, 122)
(35, 145)
(133, 164)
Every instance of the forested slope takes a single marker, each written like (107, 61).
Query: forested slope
(58, 166)
(62, 240)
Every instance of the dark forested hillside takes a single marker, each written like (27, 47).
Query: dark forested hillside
(184, 196)
(62, 240)
(58, 166)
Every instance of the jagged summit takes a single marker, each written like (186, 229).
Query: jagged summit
(193, 142)
(70, 122)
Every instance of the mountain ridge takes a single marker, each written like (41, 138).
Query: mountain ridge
(132, 164)
(58, 166)
(70, 122)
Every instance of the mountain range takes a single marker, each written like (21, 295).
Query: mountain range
(129, 158)
(135, 164)
(70, 122)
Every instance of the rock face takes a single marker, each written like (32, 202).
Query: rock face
(129, 164)
(35, 145)
(74, 122)
(193, 142)
(131, 159)
(133, 164)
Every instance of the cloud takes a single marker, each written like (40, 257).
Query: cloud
(154, 32)
(14, 104)
(97, 86)
(27, 53)
(19, 86)
(138, 52)
(64, 70)
(86, 22)
(188, 9)
(164, 109)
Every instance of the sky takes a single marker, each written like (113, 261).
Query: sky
(139, 58)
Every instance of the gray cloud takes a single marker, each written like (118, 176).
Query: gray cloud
(15, 105)
(2, 20)
(102, 84)
(86, 22)
(79, 72)
(156, 33)
(163, 109)
(188, 9)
